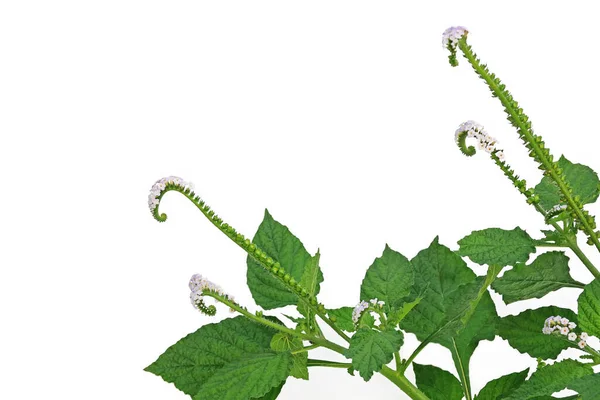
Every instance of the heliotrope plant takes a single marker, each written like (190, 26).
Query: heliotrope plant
(435, 296)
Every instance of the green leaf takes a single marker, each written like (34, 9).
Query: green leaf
(495, 246)
(502, 386)
(481, 326)
(285, 342)
(343, 318)
(247, 378)
(389, 278)
(370, 350)
(273, 394)
(550, 379)
(311, 280)
(280, 244)
(589, 308)
(193, 360)
(524, 332)
(397, 315)
(439, 273)
(549, 272)
(437, 383)
(582, 179)
(588, 387)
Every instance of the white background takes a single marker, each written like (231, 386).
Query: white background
(338, 116)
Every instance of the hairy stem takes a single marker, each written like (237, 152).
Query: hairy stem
(403, 383)
(260, 256)
(572, 244)
(535, 144)
(261, 320)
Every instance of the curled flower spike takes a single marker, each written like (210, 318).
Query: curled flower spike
(450, 39)
(472, 129)
(563, 327)
(457, 40)
(199, 287)
(160, 187)
(261, 257)
(363, 306)
(359, 310)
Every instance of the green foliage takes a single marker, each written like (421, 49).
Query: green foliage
(582, 179)
(286, 342)
(589, 308)
(278, 242)
(495, 246)
(550, 379)
(371, 349)
(439, 273)
(247, 378)
(481, 326)
(397, 315)
(311, 281)
(389, 278)
(501, 387)
(524, 332)
(193, 360)
(343, 318)
(549, 272)
(437, 383)
(588, 387)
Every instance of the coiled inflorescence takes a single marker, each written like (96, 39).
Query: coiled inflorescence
(562, 326)
(201, 286)
(363, 306)
(177, 184)
(472, 129)
(450, 39)
(534, 143)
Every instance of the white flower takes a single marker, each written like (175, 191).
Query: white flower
(572, 336)
(584, 336)
(381, 303)
(374, 302)
(564, 322)
(572, 325)
(500, 155)
(582, 344)
(358, 310)
(547, 330)
(557, 319)
(452, 35)
(564, 330)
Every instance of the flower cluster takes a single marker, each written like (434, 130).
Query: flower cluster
(364, 306)
(198, 285)
(452, 35)
(562, 326)
(159, 187)
(485, 141)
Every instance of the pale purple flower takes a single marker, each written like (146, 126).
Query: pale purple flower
(452, 35)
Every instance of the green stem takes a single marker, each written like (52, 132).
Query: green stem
(524, 128)
(403, 383)
(305, 349)
(254, 252)
(325, 363)
(412, 357)
(464, 377)
(313, 339)
(398, 360)
(572, 244)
